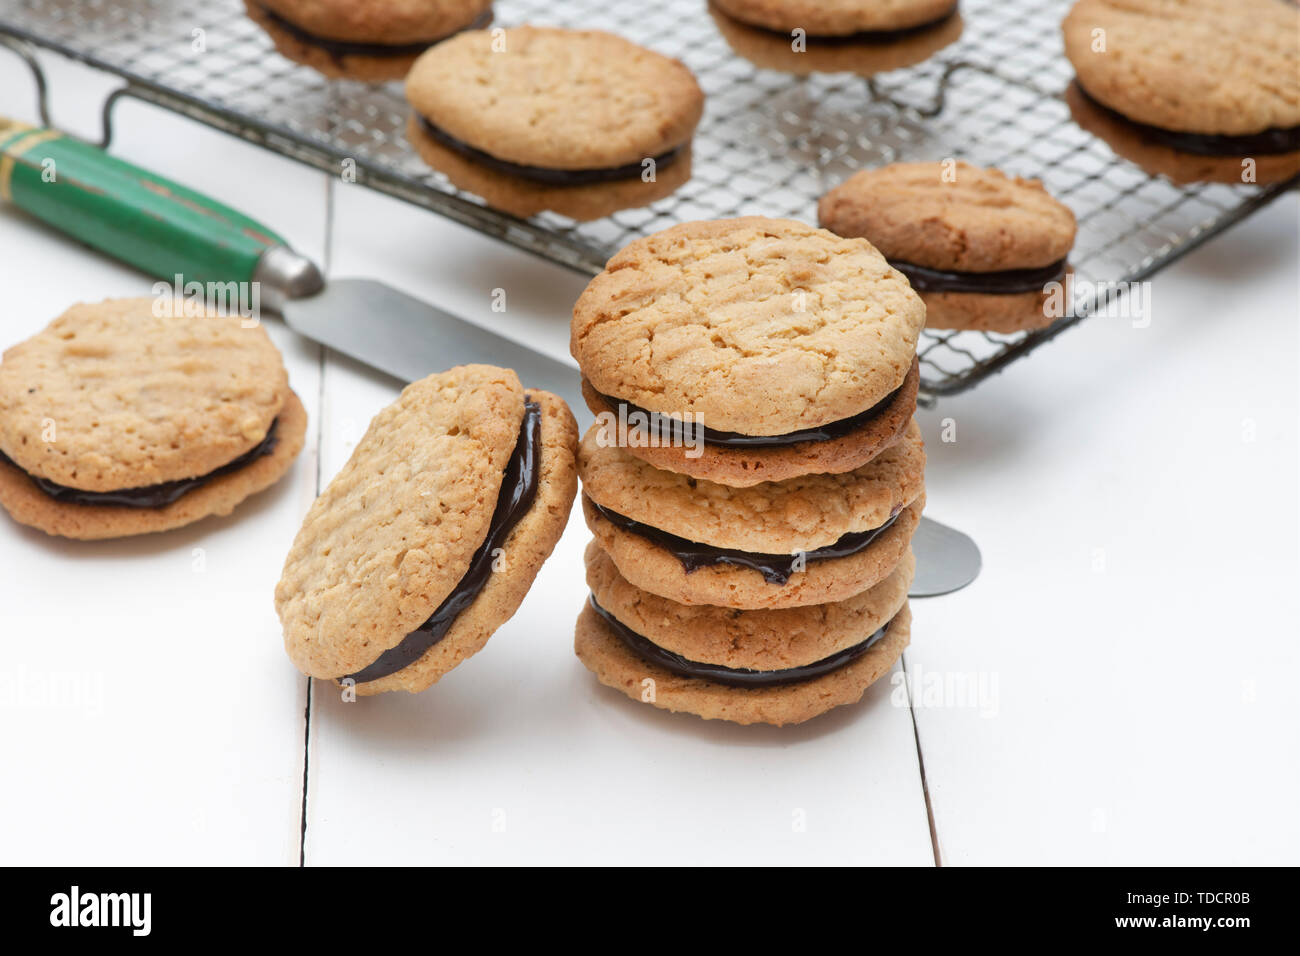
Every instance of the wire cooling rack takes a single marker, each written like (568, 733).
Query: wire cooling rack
(770, 143)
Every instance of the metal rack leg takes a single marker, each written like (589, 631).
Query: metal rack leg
(27, 53)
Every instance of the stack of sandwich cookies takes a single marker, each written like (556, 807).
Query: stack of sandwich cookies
(579, 122)
(803, 343)
(369, 40)
(1234, 118)
(128, 416)
(430, 536)
(984, 250)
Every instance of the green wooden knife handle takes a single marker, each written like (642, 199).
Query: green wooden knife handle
(127, 212)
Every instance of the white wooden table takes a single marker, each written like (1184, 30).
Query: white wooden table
(1130, 648)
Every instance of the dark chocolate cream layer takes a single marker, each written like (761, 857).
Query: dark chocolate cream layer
(150, 496)
(864, 37)
(685, 433)
(649, 651)
(342, 48)
(775, 568)
(518, 491)
(1007, 282)
(543, 174)
(1269, 142)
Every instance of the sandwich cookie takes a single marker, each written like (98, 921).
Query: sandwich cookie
(429, 537)
(839, 18)
(530, 113)
(749, 350)
(865, 54)
(982, 249)
(128, 416)
(773, 667)
(373, 41)
(1151, 152)
(1218, 81)
(806, 540)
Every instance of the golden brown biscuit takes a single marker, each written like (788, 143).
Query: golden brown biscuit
(837, 17)
(542, 98)
(765, 640)
(616, 665)
(524, 198)
(373, 41)
(761, 327)
(863, 55)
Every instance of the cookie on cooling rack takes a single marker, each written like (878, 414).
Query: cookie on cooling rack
(840, 18)
(117, 420)
(985, 250)
(1196, 89)
(807, 540)
(430, 536)
(577, 121)
(864, 54)
(749, 350)
(764, 666)
(374, 41)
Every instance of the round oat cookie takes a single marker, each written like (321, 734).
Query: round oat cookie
(110, 396)
(654, 569)
(558, 99)
(757, 326)
(1138, 145)
(837, 17)
(980, 221)
(868, 56)
(617, 666)
(798, 514)
(394, 533)
(29, 505)
(1196, 66)
(765, 640)
(333, 36)
(741, 467)
(525, 197)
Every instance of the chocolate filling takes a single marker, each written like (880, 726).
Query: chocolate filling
(150, 496)
(685, 433)
(1269, 142)
(543, 174)
(341, 48)
(863, 37)
(735, 676)
(1008, 282)
(518, 490)
(775, 568)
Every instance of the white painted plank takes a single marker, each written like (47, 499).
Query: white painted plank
(1134, 491)
(176, 732)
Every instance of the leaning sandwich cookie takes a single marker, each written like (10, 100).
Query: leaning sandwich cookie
(373, 41)
(129, 416)
(531, 118)
(430, 536)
